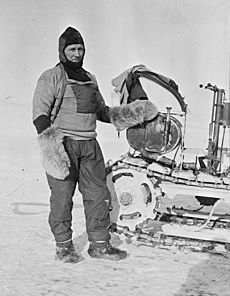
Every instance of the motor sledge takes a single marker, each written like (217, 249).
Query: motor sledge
(163, 192)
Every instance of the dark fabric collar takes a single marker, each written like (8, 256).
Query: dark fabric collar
(75, 71)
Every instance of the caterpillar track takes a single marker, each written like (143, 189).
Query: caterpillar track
(146, 208)
(161, 198)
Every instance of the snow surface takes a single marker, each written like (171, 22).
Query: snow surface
(27, 247)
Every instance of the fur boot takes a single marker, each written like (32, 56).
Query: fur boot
(125, 116)
(54, 158)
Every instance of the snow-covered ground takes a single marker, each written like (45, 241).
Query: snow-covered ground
(27, 248)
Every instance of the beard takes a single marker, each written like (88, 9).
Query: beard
(73, 65)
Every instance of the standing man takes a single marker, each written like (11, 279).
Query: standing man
(66, 105)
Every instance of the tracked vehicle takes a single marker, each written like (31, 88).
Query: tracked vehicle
(163, 192)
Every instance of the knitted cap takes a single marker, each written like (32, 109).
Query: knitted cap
(70, 36)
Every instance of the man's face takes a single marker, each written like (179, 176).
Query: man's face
(74, 52)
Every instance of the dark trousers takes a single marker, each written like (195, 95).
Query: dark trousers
(88, 170)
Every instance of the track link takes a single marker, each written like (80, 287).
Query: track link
(159, 238)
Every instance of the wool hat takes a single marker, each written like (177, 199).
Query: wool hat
(68, 37)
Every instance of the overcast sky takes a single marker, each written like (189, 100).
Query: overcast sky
(186, 40)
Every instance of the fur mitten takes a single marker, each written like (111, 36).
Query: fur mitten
(125, 116)
(54, 158)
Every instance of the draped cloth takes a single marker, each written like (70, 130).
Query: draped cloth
(128, 84)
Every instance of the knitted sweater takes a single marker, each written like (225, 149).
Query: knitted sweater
(72, 106)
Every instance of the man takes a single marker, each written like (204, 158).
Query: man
(66, 105)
